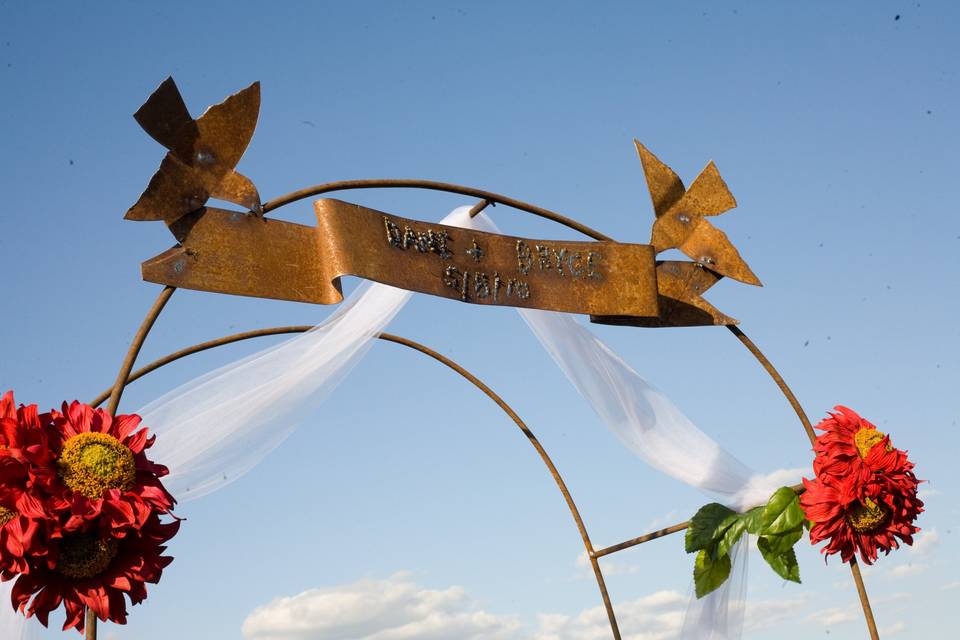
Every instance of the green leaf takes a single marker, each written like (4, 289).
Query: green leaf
(783, 512)
(708, 525)
(708, 574)
(754, 520)
(783, 542)
(731, 535)
(784, 564)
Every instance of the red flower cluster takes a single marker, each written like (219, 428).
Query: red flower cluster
(864, 496)
(80, 508)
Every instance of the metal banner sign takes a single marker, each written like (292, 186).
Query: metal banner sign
(245, 253)
(231, 252)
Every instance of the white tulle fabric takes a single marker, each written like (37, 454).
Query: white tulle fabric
(719, 615)
(214, 429)
(651, 426)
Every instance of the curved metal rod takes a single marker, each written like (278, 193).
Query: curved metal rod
(561, 485)
(792, 399)
(778, 379)
(433, 185)
(488, 198)
(90, 621)
(134, 350)
(203, 346)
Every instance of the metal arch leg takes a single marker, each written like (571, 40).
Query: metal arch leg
(129, 377)
(90, 620)
(805, 421)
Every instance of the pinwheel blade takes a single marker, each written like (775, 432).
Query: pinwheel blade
(174, 191)
(238, 189)
(708, 195)
(664, 185)
(164, 116)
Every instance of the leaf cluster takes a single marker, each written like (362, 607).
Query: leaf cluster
(715, 529)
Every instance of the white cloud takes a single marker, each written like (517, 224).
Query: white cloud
(661, 522)
(610, 567)
(397, 608)
(924, 494)
(925, 542)
(761, 487)
(897, 597)
(867, 570)
(950, 586)
(904, 570)
(762, 614)
(391, 609)
(657, 616)
(889, 630)
(835, 615)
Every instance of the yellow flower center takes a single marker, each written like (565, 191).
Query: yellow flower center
(6, 515)
(865, 439)
(92, 463)
(868, 516)
(85, 556)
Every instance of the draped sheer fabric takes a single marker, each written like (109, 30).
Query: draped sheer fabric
(212, 430)
(719, 615)
(651, 426)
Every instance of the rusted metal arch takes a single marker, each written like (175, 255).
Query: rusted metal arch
(129, 377)
(805, 421)
(489, 197)
(486, 197)
(90, 620)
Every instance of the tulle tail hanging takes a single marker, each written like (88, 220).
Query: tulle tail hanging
(217, 427)
(651, 426)
(212, 430)
(720, 617)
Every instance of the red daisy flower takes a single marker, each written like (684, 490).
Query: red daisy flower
(25, 465)
(80, 507)
(864, 496)
(23, 443)
(96, 572)
(104, 470)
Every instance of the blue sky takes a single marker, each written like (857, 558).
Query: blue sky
(835, 127)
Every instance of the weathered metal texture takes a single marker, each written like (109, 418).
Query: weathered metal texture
(230, 252)
(681, 222)
(200, 165)
(202, 156)
(274, 259)
(680, 287)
